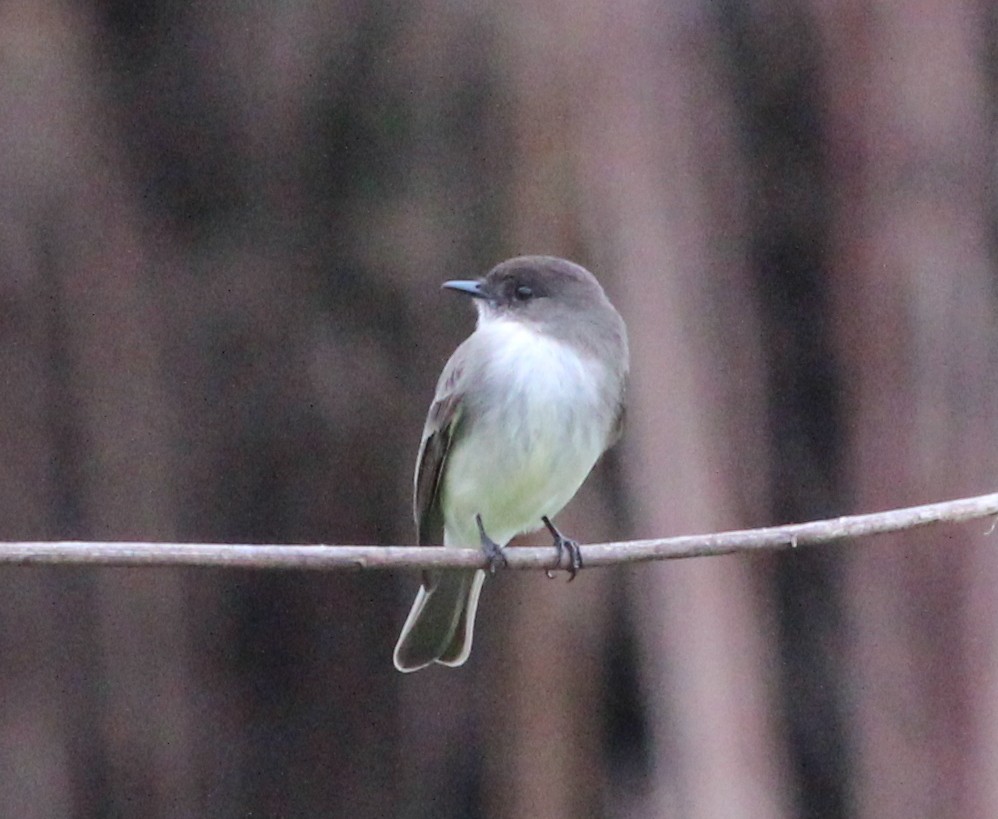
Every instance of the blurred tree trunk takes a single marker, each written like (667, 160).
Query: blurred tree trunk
(289, 343)
(120, 648)
(36, 752)
(915, 318)
(774, 69)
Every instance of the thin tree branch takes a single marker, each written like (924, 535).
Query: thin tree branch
(80, 553)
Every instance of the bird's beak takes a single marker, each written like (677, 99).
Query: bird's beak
(475, 289)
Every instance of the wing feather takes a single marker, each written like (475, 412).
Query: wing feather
(442, 421)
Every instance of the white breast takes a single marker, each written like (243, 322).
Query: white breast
(524, 456)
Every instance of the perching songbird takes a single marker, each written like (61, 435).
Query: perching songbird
(523, 410)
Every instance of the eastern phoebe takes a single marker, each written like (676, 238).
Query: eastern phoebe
(523, 410)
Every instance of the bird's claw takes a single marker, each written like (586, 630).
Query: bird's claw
(561, 545)
(493, 551)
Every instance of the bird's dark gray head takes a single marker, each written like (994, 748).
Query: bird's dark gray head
(555, 295)
(531, 286)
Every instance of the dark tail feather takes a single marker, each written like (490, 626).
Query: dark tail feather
(441, 623)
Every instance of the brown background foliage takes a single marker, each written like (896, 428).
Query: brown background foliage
(221, 233)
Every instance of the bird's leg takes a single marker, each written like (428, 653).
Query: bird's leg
(561, 543)
(493, 551)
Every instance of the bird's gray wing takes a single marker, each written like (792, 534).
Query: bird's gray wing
(442, 422)
(617, 428)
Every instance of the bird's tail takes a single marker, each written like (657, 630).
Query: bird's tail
(441, 624)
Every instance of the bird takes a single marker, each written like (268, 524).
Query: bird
(523, 410)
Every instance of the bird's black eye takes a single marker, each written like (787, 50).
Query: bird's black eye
(524, 293)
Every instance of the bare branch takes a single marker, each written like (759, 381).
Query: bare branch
(80, 553)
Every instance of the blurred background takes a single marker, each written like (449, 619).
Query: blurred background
(222, 232)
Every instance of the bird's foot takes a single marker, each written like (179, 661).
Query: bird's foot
(562, 544)
(493, 551)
